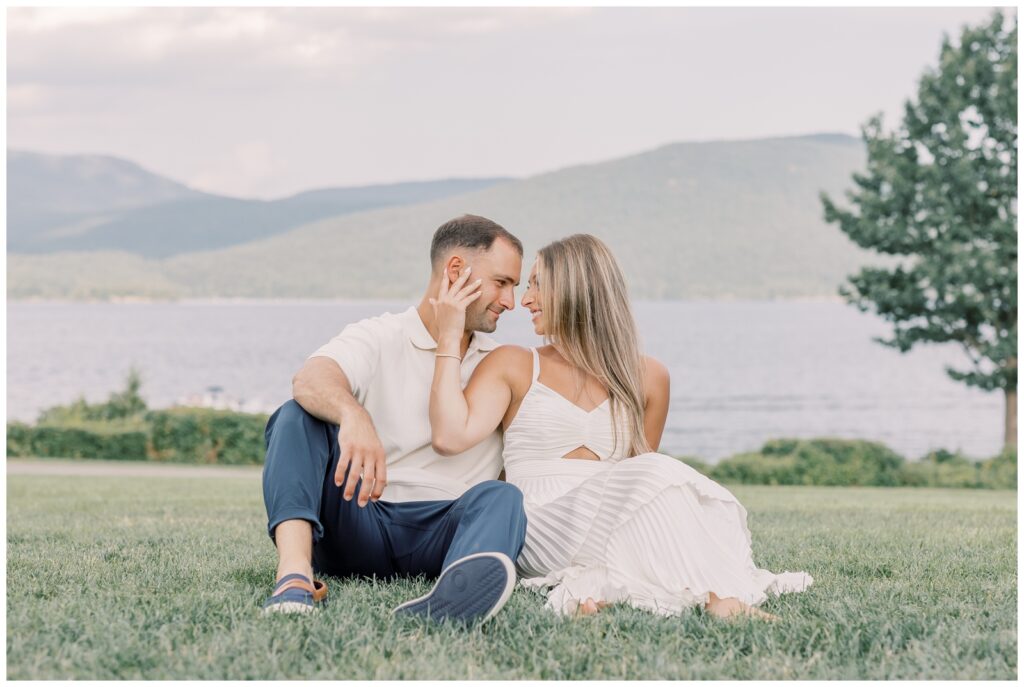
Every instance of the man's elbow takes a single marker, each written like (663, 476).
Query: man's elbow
(443, 446)
(300, 385)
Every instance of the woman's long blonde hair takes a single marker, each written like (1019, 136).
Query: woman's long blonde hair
(588, 319)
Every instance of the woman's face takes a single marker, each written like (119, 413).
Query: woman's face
(531, 300)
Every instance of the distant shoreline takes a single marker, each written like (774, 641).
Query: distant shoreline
(133, 300)
(88, 467)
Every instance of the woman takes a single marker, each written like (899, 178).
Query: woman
(608, 519)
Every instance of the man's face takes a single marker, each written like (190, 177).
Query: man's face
(499, 268)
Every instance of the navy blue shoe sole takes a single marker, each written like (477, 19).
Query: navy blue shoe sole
(470, 589)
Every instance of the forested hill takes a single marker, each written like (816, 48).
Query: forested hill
(727, 219)
(62, 203)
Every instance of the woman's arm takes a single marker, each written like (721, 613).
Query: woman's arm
(656, 384)
(460, 420)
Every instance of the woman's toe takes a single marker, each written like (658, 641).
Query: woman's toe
(588, 607)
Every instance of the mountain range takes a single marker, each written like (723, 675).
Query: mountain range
(721, 219)
(93, 202)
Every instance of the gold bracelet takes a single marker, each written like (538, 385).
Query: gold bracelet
(448, 355)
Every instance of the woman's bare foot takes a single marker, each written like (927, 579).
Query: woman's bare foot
(732, 607)
(590, 607)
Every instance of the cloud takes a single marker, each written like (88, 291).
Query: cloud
(37, 20)
(266, 101)
(26, 98)
(157, 45)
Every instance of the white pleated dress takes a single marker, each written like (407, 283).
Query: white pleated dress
(648, 530)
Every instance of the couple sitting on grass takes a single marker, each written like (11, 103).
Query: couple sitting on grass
(386, 462)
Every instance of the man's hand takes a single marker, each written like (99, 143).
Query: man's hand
(361, 449)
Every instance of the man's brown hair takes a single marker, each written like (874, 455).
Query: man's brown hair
(468, 231)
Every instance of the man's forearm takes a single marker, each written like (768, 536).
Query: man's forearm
(331, 406)
(323, 390)
(325, 393)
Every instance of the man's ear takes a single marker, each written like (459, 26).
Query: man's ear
(454, 267)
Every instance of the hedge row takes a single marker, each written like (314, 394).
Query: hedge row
(198, 435)
(180, 435)
(76, 442)
(847, 462)
(191, 435)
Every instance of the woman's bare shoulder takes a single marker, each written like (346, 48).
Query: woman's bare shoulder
(509, 358)
(655, 372)
(515, 363)
(654, 367)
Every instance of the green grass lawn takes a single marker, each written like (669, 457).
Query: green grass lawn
(127, 577)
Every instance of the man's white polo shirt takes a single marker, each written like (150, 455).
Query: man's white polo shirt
(389, 361)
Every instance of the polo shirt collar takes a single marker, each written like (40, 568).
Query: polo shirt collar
(482, 342)
(421, 338)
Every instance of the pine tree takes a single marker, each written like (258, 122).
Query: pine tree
(940, 192)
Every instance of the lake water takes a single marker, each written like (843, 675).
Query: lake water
(742, 372)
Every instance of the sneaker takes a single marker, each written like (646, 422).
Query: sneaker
(471, 588)
(295, 594)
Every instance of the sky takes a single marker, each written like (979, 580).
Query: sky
(266, 102)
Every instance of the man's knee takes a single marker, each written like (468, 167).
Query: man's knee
(496, 494)
(293, 433)
(501, 505)
(290, 414)
(290, 411)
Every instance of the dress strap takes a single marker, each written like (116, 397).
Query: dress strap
(536, 364)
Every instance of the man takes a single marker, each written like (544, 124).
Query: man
(352, 484)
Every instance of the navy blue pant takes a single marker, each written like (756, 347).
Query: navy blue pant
(382, 539)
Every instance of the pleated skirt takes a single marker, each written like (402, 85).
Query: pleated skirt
(649, 531)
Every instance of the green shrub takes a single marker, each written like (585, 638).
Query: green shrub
(201, 435)
(914, 475)
(755, 468)
(945, 469)
(696, 463)
(77, 411)
(844, 462)
(814, 461)
(83, 441)
(19, 439)
(1000, 472)
(126, 405)
(183, 435)
(941, 469)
